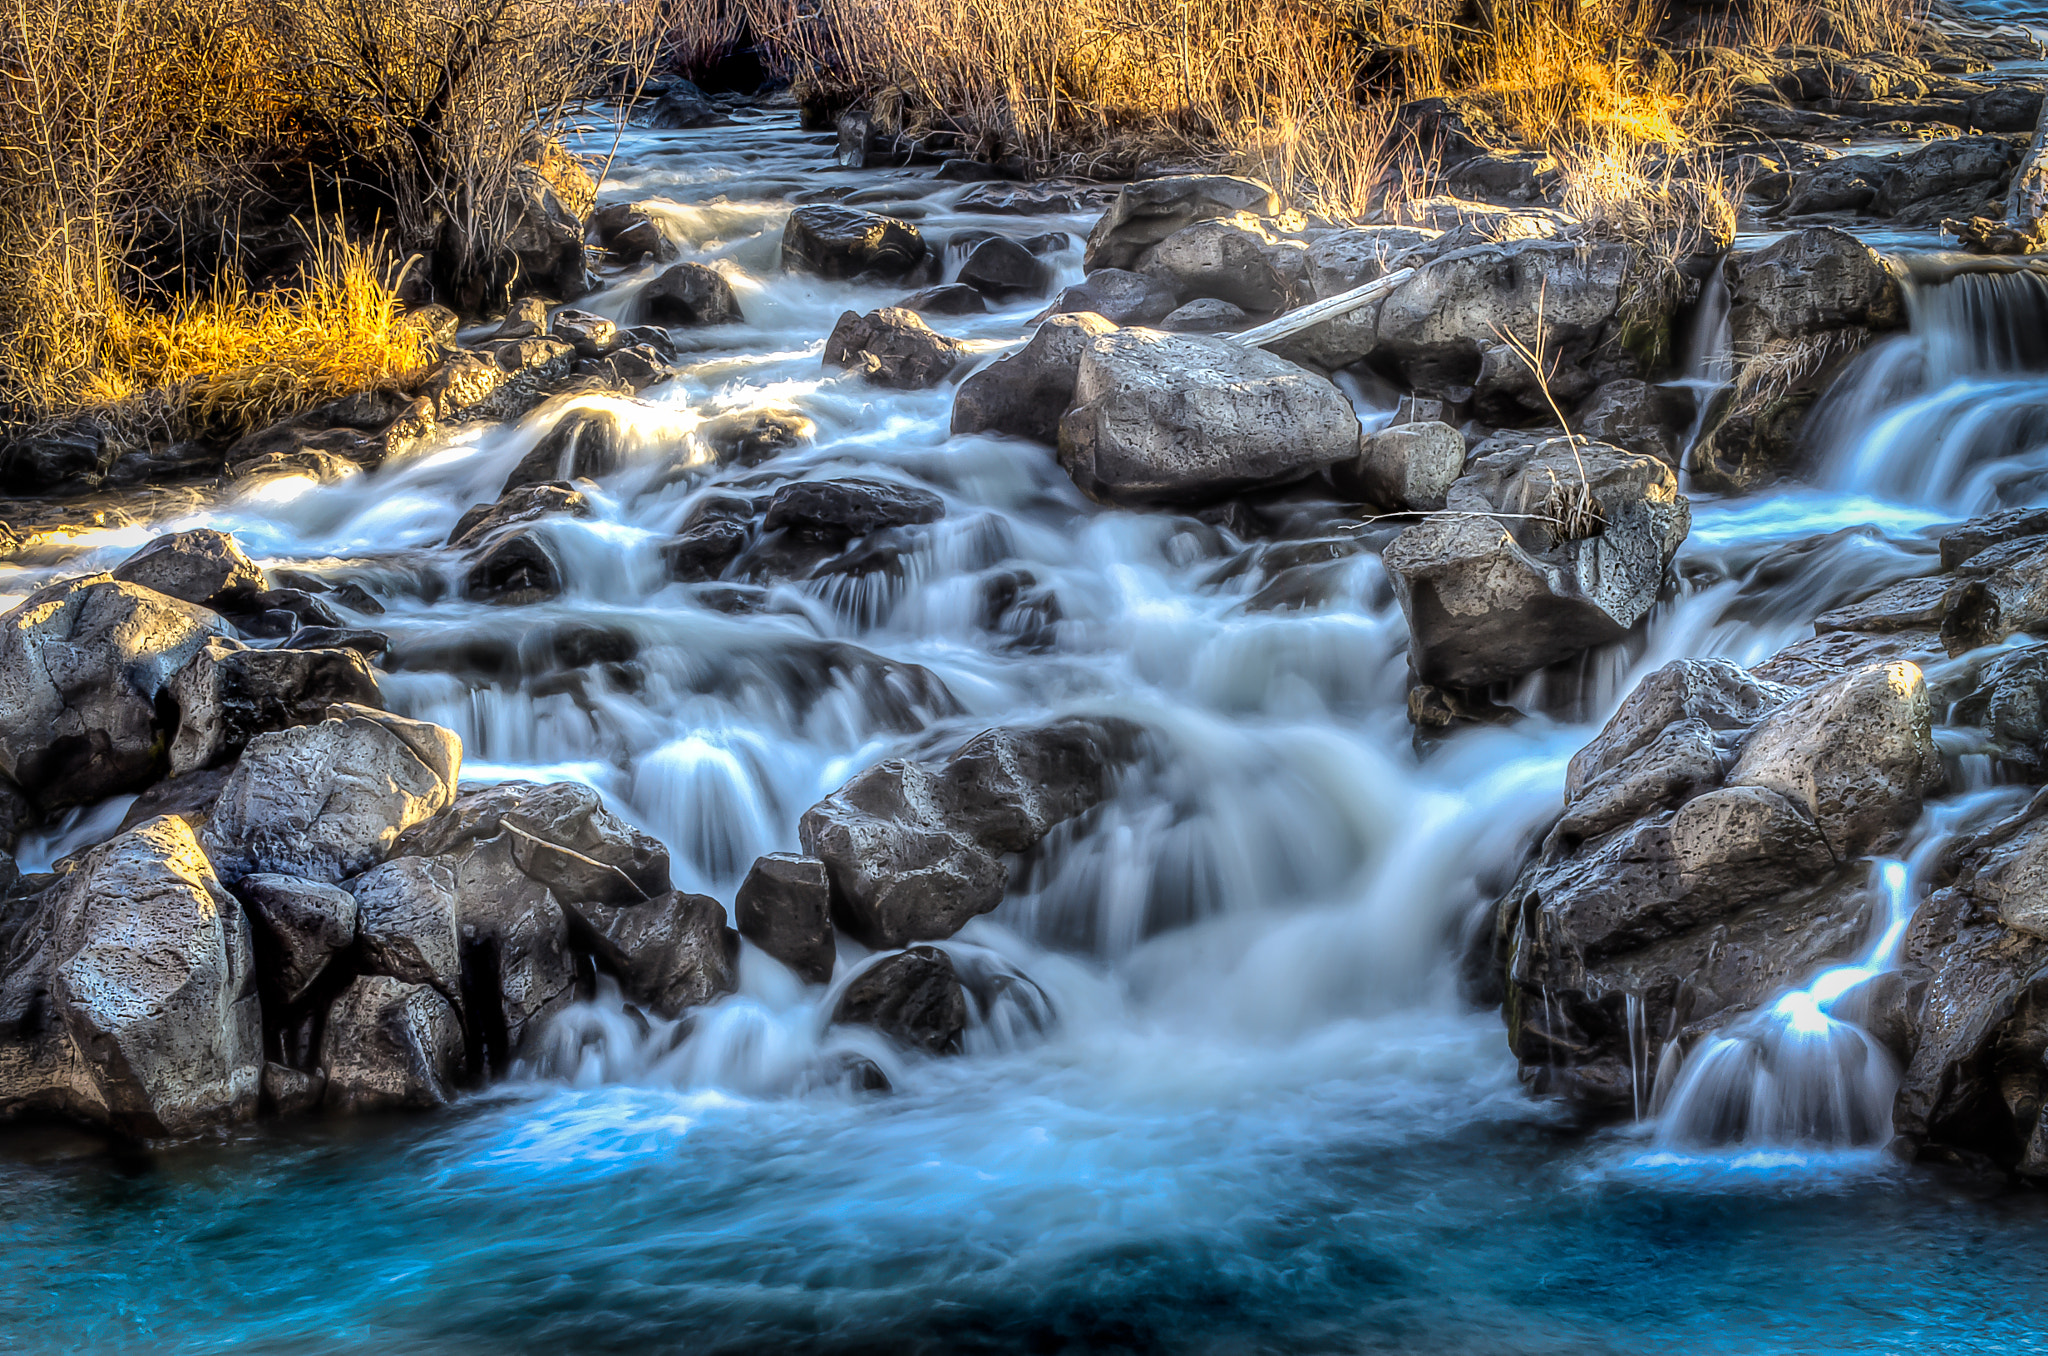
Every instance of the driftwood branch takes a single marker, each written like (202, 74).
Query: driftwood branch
(1315, 313)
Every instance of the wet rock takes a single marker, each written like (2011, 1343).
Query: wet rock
(1000, 267)
(914, 851)
(1976, 167)
(1205, 315)
(1405, 467)
(1343, 260)
(1718, 694)
(1799, 308)
(202, 567)
(409, 922)
(629, 235)
(568, 815)
(1855, 754)
(544, 248)
(307, 922)
(1026, 393)
(1817, 659)
(1980, 534)
(2008, 699)
(1680, 762)
(276, 613)
(390, 1046)
(190, 797)
(2004, 592)
(844, 242)
(153, 981)
(683, 105)
(750, 437)
(228, 694)
(291, 1092)
(630, 369)
(1577, 560)
(85, 667)
(705, 547)
(1635, 416)
(893, 348)
(1161, 418)
(669, 954)
(1119, 296)
(583, 444)
(517, 966)
(1234, 259)
(327, 801)
(527, 319)
(913, 996)
(528, 503)
(69, 458)
(1910, 604)
(691, 294)
(1150, 210)
(516, 569)
(945, 299)
(840, 510)
(785, 907)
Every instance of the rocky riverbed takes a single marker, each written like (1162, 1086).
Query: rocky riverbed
(961, 682)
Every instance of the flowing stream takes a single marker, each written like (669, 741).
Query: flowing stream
(1220, 1092)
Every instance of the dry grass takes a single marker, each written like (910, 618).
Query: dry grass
(1851, 26)
(128, 123)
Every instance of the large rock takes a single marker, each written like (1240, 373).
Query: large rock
(914, 996)
(85, 666)
(690, 294)
(669, 954)
(327, 801)
(148, 1016)
(840, 510)
(390, 1046)
(1575, 559)
(1799, 309)
(893, 347)
(516, 569)
(1180, 418)
(1000, 267)
(914, 851)
(784, 906)
(583, 444)
(1407, 467)
(1147, 212)
(308, 922)
(410, 925)
(1026, 392)
(202, 567)
(1856, 755)
(1234, 259)
(844, 242)
(1118, 296)
(228, 694)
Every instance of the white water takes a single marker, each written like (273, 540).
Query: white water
(1269, 911)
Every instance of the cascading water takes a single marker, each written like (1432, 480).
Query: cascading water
(1218, 1092)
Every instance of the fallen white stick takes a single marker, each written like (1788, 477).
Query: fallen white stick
(1315, 313)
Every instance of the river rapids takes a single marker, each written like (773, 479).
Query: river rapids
(1239, 1104)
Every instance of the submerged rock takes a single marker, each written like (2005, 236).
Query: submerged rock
(893, 348)
(913, 996)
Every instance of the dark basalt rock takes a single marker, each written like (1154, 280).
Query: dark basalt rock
(893, 348)
(839, 510)
(785, 907)
(202, 566)
(526, 504)
(691, 294)
(999, 267)
(516, 569)
(669, 954)
(584, 444)
(913, 996)
(844, 242)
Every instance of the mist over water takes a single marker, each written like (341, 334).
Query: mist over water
(1220, 1092)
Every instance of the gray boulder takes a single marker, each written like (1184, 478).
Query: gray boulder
(308, 922)
(84, 668)
(669, 954)
(691, 294)
(844, 242)
(1575, 559)
(390, 1046)
(784, 906)
(1234, 259)
(228, 694)
(1118, 296)
(1205, 315)
(1165, 418)
(893, 347)
(1150, 210)
(1000, 267)
(1026, 393)
(327, 801)
(1405, 467)
(914, 850)
(410, 924)
(202, 567)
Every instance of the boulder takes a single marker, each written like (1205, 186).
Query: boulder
(306, 922)
(628, 234)
(893, 347)
(1234, 259)
(1405, 467)
(1150, 210)
(914, 850)
(584, 444)
(326, 801)
(1855, 755)
(410, 923)
(1577, 558)
(202, 567)
(517, 967)
(682, 105)
(1976, 168)
(567, 815)
(1347, 259)
(1000, 267)
(528, 503)
(228, 694)
(844, 242)
(784, 906)
(545, 243)
(913, 996)
(840, 510)
(1635, 416)
(590, 334)
(1026, 392)
(390, 1046)
(85, 669)
(945, 299)
(1166, 418)
(1119, 296)
(750, 437)
(153, 980)
(527, 318)
(516, 569)
(669, 954)
(1205, 315)
(691, 294)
